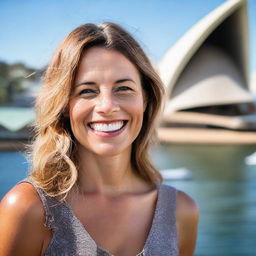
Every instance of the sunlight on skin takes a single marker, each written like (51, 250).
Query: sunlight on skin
(12, 199)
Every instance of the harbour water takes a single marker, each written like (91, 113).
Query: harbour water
(222, 184)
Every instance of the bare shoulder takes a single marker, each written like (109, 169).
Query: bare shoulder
(22, 200)
(186, 206)
(187, 213)
(21, 222)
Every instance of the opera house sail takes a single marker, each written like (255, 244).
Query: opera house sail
(206, 75)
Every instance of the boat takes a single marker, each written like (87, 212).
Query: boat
(251, 159)
(176, 174)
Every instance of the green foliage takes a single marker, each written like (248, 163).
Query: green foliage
(4, 70)
(12, 79)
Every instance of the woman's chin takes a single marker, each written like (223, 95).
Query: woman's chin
(108, 150)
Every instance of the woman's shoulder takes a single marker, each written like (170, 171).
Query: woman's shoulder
(22, 204)
(187, 214)
(186, 204)
(21, 220)
(23, 197)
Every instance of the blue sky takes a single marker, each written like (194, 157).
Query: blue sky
(32, 29)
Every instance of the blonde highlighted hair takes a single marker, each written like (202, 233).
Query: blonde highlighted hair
(54, 165)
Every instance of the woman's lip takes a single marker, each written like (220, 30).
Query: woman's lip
(108, 133)
(106, 121)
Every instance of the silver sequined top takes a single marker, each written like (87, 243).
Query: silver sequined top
(70, 237)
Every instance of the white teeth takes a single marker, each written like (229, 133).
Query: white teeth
(107, 127)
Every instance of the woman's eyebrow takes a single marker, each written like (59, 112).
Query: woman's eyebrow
(85, 83)
(119, 81)
(124, 80)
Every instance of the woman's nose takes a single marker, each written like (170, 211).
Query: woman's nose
(106, 104)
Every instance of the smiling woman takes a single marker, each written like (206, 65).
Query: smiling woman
(92, 189)
(102, 118)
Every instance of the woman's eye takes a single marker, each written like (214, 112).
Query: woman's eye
(87, 91)
(123, 88)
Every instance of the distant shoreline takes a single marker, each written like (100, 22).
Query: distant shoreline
(13, 145)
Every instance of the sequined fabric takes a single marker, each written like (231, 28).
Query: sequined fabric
(70, 238)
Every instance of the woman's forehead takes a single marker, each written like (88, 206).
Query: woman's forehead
(98, 62)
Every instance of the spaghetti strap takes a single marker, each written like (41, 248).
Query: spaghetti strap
(47, 202)
(163, 239)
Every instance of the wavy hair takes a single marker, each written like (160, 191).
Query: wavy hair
(54, 165)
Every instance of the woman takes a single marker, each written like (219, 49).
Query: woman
(92, 189)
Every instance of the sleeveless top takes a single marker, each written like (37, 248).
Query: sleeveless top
(70, 238)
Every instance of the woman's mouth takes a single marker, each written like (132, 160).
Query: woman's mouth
(108, 127)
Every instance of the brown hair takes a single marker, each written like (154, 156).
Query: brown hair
(54, 167)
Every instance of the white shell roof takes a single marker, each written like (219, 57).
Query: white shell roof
(190, 82)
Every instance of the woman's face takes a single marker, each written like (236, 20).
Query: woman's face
(107, 104)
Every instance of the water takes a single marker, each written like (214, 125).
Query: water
(223, 186)
(13, 168)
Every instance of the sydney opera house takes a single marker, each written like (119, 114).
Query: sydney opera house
(206, 75)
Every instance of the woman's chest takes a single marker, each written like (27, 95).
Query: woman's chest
(120, 226)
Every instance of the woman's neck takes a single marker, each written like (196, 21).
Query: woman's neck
(108, 175)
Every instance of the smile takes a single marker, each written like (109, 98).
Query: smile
(107, 126)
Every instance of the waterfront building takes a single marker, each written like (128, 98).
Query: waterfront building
(206, 75)
(15, 127)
